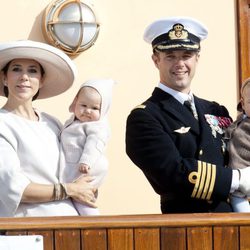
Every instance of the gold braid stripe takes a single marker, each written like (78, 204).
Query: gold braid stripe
(209, 171)
(211, 187)
(202, 180)
(172, 46)
(194, 178)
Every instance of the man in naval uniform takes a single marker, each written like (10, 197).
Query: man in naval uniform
(176, 138)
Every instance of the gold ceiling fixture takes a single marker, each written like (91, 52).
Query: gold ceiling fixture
(70, 25)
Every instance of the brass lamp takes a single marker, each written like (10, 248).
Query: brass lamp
(70, 25)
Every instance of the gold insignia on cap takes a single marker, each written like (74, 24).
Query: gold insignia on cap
(203, 180)
(178, 32)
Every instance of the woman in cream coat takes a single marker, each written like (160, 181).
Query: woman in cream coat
(29, 145)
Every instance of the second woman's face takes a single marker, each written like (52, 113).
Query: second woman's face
(23, 78)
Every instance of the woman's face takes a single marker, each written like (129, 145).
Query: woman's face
(23, 79)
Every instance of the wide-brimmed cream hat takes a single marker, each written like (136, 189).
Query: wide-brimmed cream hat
(60, 71)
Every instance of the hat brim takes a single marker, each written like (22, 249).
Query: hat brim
(59, 69)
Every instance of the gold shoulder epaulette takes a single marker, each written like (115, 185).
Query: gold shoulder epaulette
(141, 106)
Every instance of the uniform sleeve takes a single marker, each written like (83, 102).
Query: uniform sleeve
(12, 179)
(98, 134)
(151, 147)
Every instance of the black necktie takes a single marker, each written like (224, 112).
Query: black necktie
(191, 108)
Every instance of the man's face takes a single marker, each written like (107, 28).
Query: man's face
(176, 68)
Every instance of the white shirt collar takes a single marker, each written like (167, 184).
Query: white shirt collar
(179, 96)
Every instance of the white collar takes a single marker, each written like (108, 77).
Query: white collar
(179, 96)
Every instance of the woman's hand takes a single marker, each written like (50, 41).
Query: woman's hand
(82, 191)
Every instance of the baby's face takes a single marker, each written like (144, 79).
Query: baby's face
(88, 105)
(246, 100)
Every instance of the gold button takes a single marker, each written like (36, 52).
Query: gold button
(201, 152)
(210, 202)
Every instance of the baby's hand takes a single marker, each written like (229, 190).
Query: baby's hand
(84, 168)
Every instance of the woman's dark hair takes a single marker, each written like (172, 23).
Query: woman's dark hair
(5, 88)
